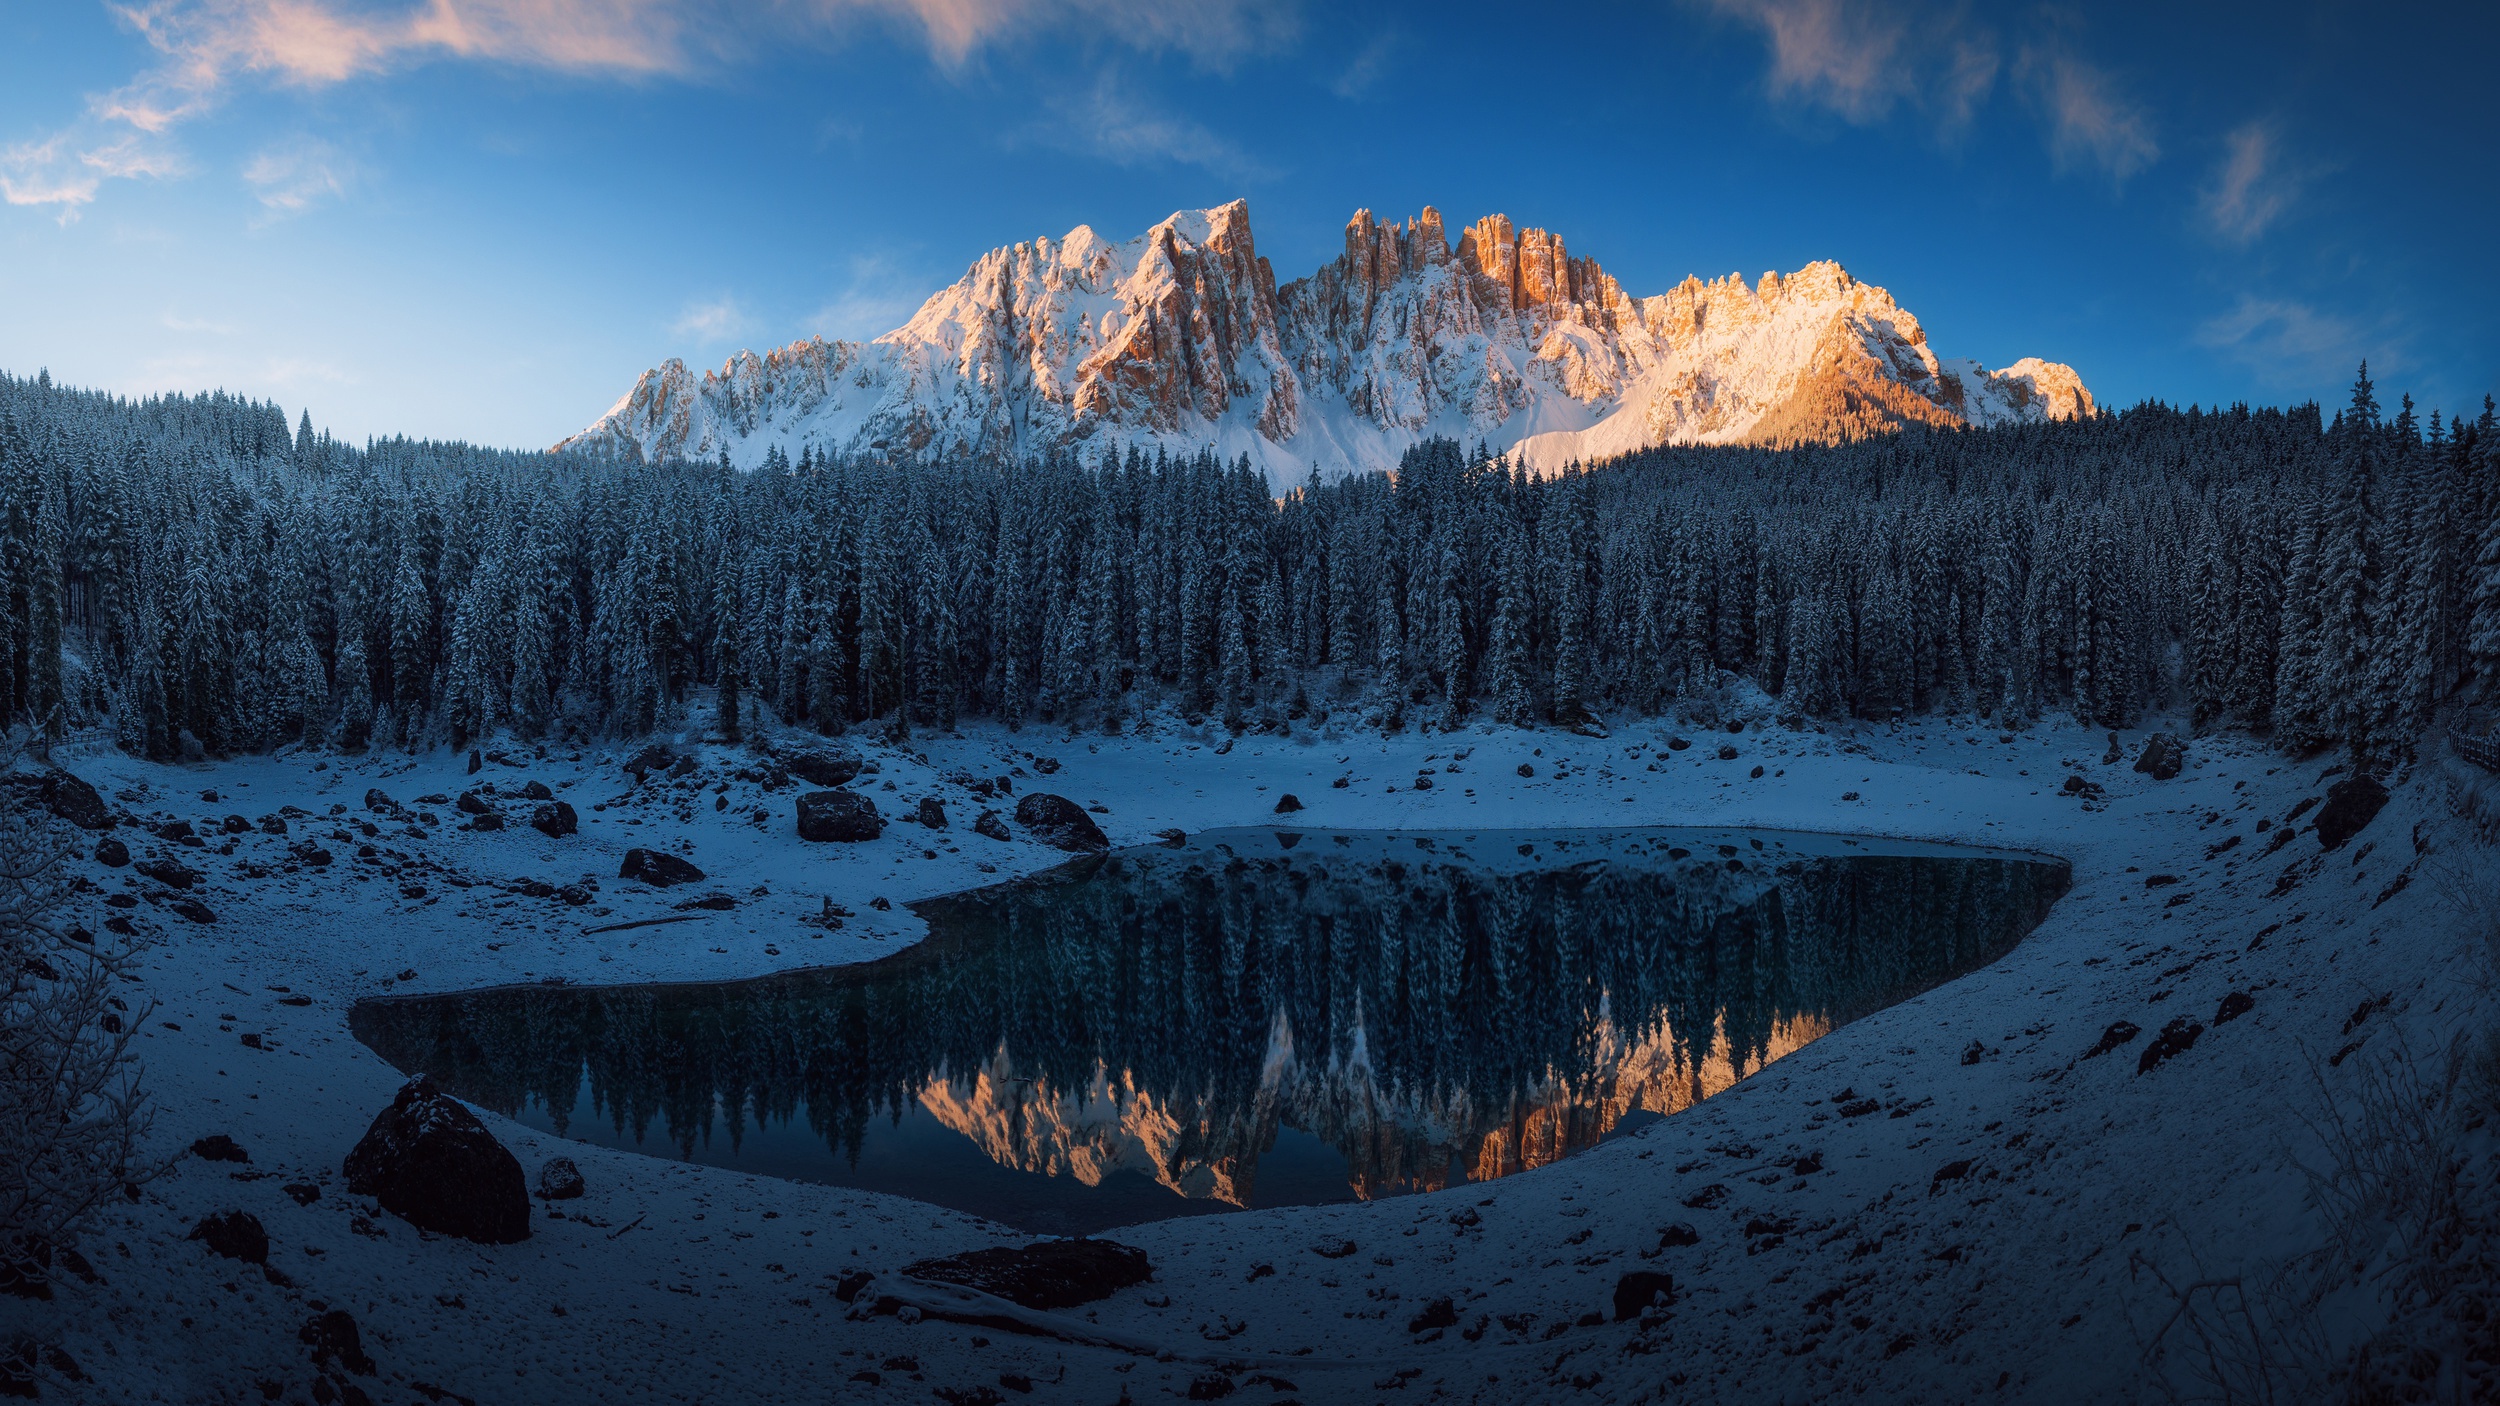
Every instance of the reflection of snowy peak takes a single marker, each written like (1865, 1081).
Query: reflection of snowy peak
(1181, 338)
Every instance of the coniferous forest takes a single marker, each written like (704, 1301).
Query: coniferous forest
(196, 576)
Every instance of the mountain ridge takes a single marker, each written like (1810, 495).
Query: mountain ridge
(1183, 338)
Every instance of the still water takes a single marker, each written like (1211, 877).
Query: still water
(1251, 1018)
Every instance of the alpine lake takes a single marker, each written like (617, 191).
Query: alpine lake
(1250, 1018)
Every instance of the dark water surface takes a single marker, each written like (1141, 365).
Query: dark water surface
(1253, 1018)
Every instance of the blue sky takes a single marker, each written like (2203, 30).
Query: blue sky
(483, 218)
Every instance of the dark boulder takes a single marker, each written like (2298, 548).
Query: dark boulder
(988, 823)
(489, 821)
(472, 803)
(932, 813)
(2174, 1039)
(655, 757)
(1048, 1274)
(657, 868)
(65, 796)
(1636, 1291)
(1060, 823)
(1288, 803)
(219, 1147)
(111, 853)
(379, 801)
(2350, 804)
(235, 1234)
(817, 763)
(536, 791)
(2162, 757)
(559, 1180)
(333, 1337)
(555, 819)
(172, 873)
(845, 816)
(1440, 1313)
(431, 1162)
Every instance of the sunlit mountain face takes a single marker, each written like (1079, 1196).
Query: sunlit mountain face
(1251, 1018)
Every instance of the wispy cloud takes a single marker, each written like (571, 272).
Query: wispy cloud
(293, 176)
(205, 48)
(2289, 342)
(2253, 186)
(1110, 121)
(1870, 61)
(878, 298)
(712, 321)
(1366, 67)
(2091, 120)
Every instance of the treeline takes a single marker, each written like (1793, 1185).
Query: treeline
(195, 575)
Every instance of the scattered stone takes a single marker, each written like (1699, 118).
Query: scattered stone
(471, 803)
(1333, 1249)
(1677, 1233)
(1527, 768)
(489, 821)
(477, 761)
(379, 801)
(932, 813)
(655, 757)
(710, 902)
(1706, 1198)
(1046, 766)
(559, 1179)
(193, 910)
(1727, 752)
(1288, 803)
(844, 816)
(1175, 836)
(235, 1234)
(555, 819)
(218, 1147)
(1955, 1170)
(1210, 1386)
(817, 763)
(988, 823)
(172, 873)
(2350, 805)
(1048, 1274)
(1636, 1291)
(1060, 823)
(1423, 783)
(306, 852)
(333, 1337)
(111, 853)
(2235, 1005)
(2162, 758)
(236, 825)
(431, 1162)
(536, 791)
(302, 1193)
(1440, 1313)
(2118, 1033)
(657, 868)
(2174, 1039)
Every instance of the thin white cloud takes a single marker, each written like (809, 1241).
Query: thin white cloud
(1365, 69)
(294, 176)
(205, 48)
(712, 321)
(878, 298)
(2252, 187)
(1110, 121)
(2289, 342)
(2090, 119)
(1850, 56)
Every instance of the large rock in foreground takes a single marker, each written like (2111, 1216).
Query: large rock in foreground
(1048, 1274)
(430, 1162)
(657, 868)
(2350, 804)
(817, 763)
(2163, 755)
(845, 816)
(1061, 823)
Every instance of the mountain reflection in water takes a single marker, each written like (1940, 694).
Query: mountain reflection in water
(1252, 1018)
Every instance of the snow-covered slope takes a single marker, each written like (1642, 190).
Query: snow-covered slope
(1182, 338)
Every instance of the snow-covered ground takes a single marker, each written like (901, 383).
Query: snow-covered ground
(1972, 1240)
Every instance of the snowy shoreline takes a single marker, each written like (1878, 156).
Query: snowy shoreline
(677, 1282)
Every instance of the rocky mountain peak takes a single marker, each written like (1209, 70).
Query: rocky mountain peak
(1181, 337)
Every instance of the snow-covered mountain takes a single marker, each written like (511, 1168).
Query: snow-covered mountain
(1181, 337)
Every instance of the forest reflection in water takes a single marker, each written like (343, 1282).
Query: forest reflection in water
(1250, 1018)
